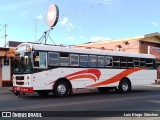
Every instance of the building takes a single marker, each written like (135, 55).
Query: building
(6, 69)
(7, 63)
(146, 44)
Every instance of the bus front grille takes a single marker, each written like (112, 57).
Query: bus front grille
(20, 83)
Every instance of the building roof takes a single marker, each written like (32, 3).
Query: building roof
(4, 49)
(156, 34)
(14, 43)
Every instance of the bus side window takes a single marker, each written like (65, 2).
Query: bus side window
(64, 59)
(36, 59)
(130, 62)
(53, 59)
(101, 61)
(43, 61)
(136, 62)
(109, 61)
(142, 62)
(116, 62)
(83, 60)
(123, 62)
(92, 61)
(40, 59)
(74, 59)
(149, 63)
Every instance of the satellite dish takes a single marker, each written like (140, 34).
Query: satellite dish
(52, 15)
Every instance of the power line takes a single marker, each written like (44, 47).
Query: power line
(94, 5)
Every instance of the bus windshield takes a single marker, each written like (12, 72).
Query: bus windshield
(23, 63)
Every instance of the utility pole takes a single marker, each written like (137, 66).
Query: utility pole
(35, 30)
(5, 35)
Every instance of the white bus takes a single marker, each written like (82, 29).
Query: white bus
(58, 69)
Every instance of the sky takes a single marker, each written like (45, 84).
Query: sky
(80, 21)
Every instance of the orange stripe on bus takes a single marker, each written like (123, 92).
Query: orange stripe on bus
(96, 72)
(83, 76)
(118, 77)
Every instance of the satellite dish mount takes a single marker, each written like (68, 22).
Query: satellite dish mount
(51, 20)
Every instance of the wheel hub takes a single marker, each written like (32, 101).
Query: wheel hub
(61, 89)
(125, 86)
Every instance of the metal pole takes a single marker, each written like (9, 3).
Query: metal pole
(5, 35)
(35, 30)
(45, 36)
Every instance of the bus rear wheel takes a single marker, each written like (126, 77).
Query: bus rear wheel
(124, 86)
(61, 89)
(43, 92)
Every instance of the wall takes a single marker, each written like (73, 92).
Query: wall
(6, 71)
(0, 72)
(132, 46)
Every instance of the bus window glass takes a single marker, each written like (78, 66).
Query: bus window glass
(149, 63)
(36, 59)
(92, 61)
(142, 63)
(83, 61)
(109, 61)
(123, 62)
(130, 62)
(74, 60)
(53, 59)
(64, 59)
(23, 63)
(116, 62)
(101, 61)
(40, 59)
(136, 62)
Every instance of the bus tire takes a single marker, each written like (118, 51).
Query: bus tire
(43, 92)
(61, 89)
(103, 89)
(124, 86)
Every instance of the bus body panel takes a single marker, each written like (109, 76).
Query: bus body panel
(45, 80)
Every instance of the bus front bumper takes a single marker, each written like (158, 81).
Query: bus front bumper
(23, 89)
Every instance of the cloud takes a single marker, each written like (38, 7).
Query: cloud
(39, 17)
(70, 38)
(155, 24)
(65, 22)
(98, 38)
(82, 37)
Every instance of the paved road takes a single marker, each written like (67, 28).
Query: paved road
(141, 99)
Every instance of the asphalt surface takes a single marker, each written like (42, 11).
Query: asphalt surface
(87, 101)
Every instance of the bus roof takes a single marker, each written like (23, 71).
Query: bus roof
(58, 48)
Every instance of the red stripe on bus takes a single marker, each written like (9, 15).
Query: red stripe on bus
(95, 72)
(117, 78)
(91, 76)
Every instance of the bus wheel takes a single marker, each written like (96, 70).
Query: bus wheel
(43, 92)
(103, 89)
(61, 89)
(124, 86)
